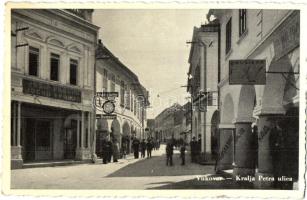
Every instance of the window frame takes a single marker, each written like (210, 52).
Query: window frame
(242, 21)
(38, 60)
(77, 66)
(58, 67)
(228, 34)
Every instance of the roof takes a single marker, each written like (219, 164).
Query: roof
(102, 52)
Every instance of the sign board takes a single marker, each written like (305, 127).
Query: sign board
(107, 94)
(39, 88)
(111, 116)
(247, 72)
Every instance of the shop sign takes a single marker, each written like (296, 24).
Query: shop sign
(247, 72)
(51, 91)
(287, 37)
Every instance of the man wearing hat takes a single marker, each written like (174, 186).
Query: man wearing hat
(193, 144)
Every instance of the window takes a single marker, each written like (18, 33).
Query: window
(122, 93)
(228, 36)
(128, 98)
(73, 71)
(54, 67)
(134, 104)
(105, 81)
(112, 78)
(33, 61)
(131, 102)
(242, 21)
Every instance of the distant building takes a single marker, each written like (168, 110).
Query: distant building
(203, 86)
(130, 107)
(168, 124)
(151, 129)
(52, 85)
(249, 112)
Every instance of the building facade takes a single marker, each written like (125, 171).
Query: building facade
(203, 86)
(250, 115)
(130, 106)
(168, 124)
(52, 70)
(150, 129)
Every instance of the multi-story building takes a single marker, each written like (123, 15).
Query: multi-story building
(52, 70)
(202, 85)
(130, 106)
(151, 129)
(165, 124)
(272, 36)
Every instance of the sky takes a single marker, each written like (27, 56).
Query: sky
(152, 43)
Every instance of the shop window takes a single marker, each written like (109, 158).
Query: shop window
(73, 71)
(54, 67)
(242, 21)
(228, 36)
(33, 61)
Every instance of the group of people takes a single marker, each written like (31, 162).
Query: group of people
(170, 151)
(143, 146)
(110, 148)
(195, 146)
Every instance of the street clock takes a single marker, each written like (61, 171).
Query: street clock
(108, 107)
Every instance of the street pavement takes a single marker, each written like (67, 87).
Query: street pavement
(129, 173)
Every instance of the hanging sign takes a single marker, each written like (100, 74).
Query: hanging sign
(247, 72)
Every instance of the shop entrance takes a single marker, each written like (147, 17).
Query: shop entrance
(70, 141)
(38, 145)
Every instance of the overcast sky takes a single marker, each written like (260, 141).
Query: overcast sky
(152, 43)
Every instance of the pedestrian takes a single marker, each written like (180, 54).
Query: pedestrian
(193, 149)
(109, 150)
(135, 146)
(124, 149)
(143, 148)
(182, 154)
(169, 154)
(115, 150)
(149, 148)
(105, 150)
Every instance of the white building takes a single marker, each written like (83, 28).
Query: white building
(272, 36)
(52, 70)
(130, 107)
(202, 84)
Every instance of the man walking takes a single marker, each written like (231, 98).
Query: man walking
(149, 148)
(169, 154)
(143, 148)
(193, 149)
(182, 154)
(135, 146)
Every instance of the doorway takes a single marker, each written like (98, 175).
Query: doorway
(38, 141)
(70, 141)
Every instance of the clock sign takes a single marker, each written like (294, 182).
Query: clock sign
(108, 107)
(247, 72)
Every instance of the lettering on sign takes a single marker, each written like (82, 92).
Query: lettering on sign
(51, 91)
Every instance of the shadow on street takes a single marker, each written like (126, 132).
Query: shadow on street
(156, 166)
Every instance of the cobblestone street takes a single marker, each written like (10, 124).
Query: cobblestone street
(128, 173)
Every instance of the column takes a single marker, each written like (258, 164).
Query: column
(82, 129)
(78, 132)
(265, 165)
(18, 123)
(88, 129)
(244, 150)
(202, 90)
(226, 147)
(14, 124)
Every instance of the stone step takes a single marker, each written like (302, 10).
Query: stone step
(52, 163)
